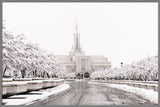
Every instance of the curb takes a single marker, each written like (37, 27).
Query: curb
(45, 98)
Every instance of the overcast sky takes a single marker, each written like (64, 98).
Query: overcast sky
(123, 32)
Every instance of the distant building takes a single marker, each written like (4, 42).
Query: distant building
(79, 63)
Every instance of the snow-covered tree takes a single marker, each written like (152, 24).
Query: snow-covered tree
(28, 59)
(144, 70)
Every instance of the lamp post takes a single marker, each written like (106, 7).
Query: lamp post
(121, 64)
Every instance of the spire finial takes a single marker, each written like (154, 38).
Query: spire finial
(76, 26)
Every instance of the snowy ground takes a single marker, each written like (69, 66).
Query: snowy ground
(148, 94)
(31, 97)
(78, 79)
(82, 93)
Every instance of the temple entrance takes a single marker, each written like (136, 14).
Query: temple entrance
(79, 76)
(82, 76)
(86, 75)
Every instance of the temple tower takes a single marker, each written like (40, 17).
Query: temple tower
(76, 46)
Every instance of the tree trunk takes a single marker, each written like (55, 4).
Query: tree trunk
(23, 72)
(4, 72)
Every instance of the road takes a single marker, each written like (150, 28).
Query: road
(83, 93)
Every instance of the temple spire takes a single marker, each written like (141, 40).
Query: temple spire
(76, 45)
(76, 29)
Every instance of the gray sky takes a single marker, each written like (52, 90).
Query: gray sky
(120, 31)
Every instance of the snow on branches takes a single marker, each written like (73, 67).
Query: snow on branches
(144, 70)
(70, 75)
(28, 59)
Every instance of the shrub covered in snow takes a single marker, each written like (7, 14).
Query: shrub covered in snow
(144, 70)
(22, 58)
(70, 75)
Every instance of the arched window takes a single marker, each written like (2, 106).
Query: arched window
(77, 43)
(83, 64)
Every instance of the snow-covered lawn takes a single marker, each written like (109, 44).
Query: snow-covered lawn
(148, 94)
(29, 98)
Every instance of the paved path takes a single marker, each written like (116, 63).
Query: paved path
(82, 93)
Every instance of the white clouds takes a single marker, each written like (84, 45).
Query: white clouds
(121, 31)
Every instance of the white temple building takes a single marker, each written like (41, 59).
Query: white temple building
(79, 63)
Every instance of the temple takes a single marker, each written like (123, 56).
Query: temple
(79, 63)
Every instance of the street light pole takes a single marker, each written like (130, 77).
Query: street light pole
(121, 64)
